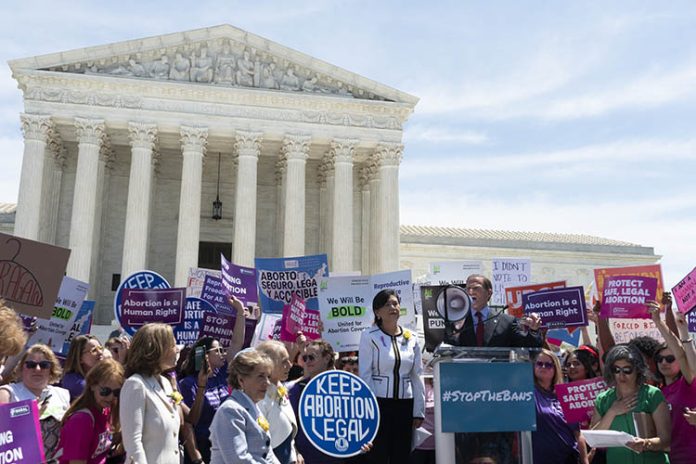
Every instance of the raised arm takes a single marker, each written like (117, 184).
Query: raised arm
(672, 341)
(239, 328)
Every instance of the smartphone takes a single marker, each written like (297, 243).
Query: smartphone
(199, 358)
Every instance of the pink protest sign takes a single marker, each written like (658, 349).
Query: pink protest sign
(293, 319)
(20, 433)
(578, 398)
(311, 324)
(625, 296)
(685, 292)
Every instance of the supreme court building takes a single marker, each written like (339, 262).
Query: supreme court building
(128, 146)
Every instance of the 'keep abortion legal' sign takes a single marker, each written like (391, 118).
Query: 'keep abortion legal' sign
(339, 413)
(487, 397)
(562, 307)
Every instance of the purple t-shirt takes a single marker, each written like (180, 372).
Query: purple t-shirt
(85, 436)
(216, 392)
(680, 395)
(554, 439)
(74, 383)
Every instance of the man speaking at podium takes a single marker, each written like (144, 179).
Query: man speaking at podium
(484, 327)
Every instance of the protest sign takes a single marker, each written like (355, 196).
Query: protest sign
(625, 296)
(452, 272)
(311, 324)
(685, 292)
(339, 413)
(196, 279)
(513, 295)
(625, 330)
(53, 331)
(561, 307)
(578, 398)
(279, 278)
(20, 433)
(189, 329)
(239, 281)
(139, 280)
(434, 300)
(564, 338)
(401, 282)
(265, 327)
(220, 326)
(80, 326)
(31, 274)
(691, 321)
(214, 293)
(509, 272)
(152, 305)
(650, 270)
(486, 397)
(293, 319)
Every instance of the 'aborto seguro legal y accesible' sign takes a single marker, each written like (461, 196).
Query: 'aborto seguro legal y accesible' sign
(339, 413)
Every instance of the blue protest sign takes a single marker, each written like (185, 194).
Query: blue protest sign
(142, 280)
(487, 397)
(188, 331)
(338, 413)
(81, 325)
(279, 278)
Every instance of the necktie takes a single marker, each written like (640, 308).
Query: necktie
(479, 329)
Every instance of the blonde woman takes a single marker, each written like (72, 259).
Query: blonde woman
(85, 352)
(150, 418)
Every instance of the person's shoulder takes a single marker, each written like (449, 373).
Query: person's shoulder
(59, 392)
(606, 395)
(652, 391)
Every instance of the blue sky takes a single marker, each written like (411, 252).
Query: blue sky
(576, 117)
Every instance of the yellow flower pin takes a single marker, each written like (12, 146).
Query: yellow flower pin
(176, 397)
(263, 423)
(407, 334)
(282, 392)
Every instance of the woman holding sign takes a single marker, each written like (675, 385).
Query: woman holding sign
(390, 363)
(675, 369)
(554, 441)
(629, 399)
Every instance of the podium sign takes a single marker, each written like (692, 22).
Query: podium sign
(487, 397)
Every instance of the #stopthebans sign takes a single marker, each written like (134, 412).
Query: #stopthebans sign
(338, 413)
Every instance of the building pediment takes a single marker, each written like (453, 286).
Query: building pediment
(221, 56)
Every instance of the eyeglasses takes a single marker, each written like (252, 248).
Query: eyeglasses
(669, 359)
(106, 391)
(94, 350)
(41, 364)
(309, 357)
(626, 370)
(218, 350)
(544, 365)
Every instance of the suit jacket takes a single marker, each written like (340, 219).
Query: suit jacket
(281, 418)
(500, 330)
(236, 435)
(149, 421)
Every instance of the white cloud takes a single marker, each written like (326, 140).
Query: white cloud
(422, 133)
(11, 150)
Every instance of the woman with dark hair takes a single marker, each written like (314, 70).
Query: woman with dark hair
(554, 441)
(86, 435)
(390, 364)
(239, 432)
(582, 364)
(148, 408)
(85, 352)
(626, 373)
(676, 361)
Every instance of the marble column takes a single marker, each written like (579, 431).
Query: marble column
(327, 205)
(90, 137)
(280, 197)
(248, 149)
(37, 131)
(374, 237)
(54, 163)
(389, 156)
(136, 237)
(365, 175)
(296, 150)
(194, 141)
(342, 211)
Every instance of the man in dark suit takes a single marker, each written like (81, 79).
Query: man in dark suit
(484, 327)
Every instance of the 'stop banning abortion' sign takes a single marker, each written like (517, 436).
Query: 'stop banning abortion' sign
(339, 413)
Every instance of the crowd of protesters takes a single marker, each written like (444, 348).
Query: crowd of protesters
(141, 400)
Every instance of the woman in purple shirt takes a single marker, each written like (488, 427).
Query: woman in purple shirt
(555, 441)
(85, 352)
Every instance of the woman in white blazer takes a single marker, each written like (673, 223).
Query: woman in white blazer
(149, 414)
(390, 363)
(276, 404)
(239, 432)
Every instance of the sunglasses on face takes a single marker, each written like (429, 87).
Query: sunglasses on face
(106, 391)
(626, 370)
(669, 359)
(309, 357)
(41, 364)
(544, 365)
(219, 351)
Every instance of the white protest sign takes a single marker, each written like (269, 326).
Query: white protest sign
(452, 272)
(509, 272)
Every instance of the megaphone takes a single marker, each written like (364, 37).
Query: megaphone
(453, 303)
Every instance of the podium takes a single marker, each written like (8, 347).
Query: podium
(468, 425)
